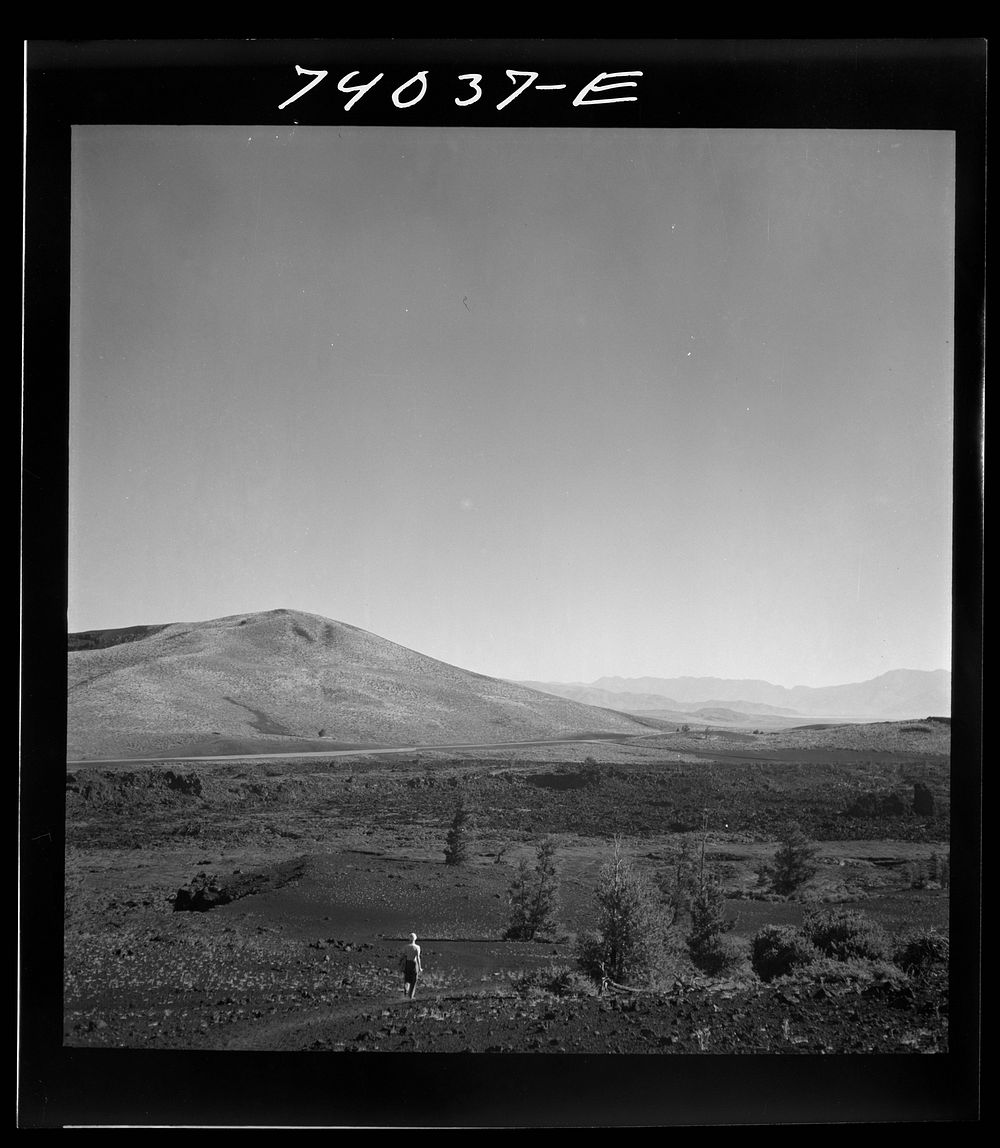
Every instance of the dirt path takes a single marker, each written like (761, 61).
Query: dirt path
(294, 1031)
(618, 739)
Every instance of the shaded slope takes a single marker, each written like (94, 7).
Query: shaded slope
(273, 677)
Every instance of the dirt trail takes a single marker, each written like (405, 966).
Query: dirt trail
(468, 747)
(293, 1031)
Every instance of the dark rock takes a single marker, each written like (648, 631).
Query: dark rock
(200, 895)
(187, 783)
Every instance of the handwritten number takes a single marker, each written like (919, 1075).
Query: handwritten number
(511, 73)
(358, 89)
(475, 79)
(422, 77)
(319, 75)
(589, 94)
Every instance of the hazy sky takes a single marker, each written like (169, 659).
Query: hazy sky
(545, 404)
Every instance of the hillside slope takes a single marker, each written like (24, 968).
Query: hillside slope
(264, 680)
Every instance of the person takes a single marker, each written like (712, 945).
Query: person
(409, 962)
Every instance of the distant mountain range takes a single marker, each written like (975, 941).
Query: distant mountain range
(282, 681)
(897, 694)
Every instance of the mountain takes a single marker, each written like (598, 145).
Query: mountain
(697, 691)
(741, 705)
(282, 681)
(667, 708)
(593, 696)
(896, 694)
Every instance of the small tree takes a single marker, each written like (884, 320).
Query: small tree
(518, 897)
(629, 925)
(679, 885)
(456, 850)
(793, 864)
(591, 772)
(533, 895)
(939, 870)
(923, 800)
(707, 944)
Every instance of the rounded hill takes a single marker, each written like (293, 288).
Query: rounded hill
(289, 679)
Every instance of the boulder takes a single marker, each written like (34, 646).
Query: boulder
(199, 895)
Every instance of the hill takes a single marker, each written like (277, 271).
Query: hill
(282, 680)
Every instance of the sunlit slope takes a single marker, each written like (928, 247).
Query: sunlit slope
(273, 677)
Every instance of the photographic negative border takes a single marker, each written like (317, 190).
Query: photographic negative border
(936, 84)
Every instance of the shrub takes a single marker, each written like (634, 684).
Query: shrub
(457, 847)
(777, 949)
(827, 970)
(920, 949)
(555, 980)
(533, 895)
(629, 927)
(845, 934)
(793, 864)
(707, 943)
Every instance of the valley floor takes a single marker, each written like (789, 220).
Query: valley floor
(335, 863)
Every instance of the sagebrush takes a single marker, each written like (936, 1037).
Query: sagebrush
(777, 949)
(845, 934)
(921, 949)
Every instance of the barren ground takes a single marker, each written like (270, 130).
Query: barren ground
(332, 862)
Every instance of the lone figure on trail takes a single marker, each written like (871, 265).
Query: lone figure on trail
(409, 963)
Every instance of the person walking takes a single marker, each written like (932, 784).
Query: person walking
(409, 962)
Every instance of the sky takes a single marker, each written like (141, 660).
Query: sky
(547, 404)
